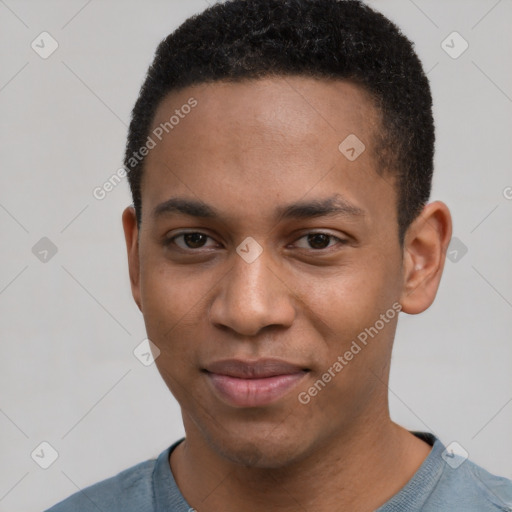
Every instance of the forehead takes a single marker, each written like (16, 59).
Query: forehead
(307, 110)
(269, 139)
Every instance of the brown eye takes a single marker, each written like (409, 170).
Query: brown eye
(194, 240)
(191, 240)
(319, 240)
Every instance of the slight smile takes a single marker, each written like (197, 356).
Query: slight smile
(253, 383)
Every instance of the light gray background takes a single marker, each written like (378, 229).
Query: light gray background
(68, 327)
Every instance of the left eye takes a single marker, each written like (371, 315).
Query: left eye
(319, 241)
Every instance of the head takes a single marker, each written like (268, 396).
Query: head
(305, 125)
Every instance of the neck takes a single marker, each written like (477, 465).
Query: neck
(359, 471)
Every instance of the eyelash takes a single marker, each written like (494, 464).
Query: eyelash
(171, 241)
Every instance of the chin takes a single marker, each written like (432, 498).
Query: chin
(259, 450)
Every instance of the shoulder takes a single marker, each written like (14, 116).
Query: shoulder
(448, 482)
(131, 489)
(469, 487)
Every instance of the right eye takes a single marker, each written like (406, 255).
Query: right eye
(190, 241)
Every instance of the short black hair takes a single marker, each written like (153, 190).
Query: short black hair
(331, 39)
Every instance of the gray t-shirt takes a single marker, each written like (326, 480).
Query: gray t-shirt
(444, 482)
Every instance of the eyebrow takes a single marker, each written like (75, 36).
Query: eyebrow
(191, 207)
(332, 206)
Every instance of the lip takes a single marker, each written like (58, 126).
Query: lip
(253, 383)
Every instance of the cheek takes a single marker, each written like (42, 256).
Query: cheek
(171, 292)
(173, 304)
(355, 343)
(345, 309)
(173, 309)
(348, 299)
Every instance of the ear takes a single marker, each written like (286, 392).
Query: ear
(131, 235)
(425, 246)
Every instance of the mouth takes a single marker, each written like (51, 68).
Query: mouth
(253, 383)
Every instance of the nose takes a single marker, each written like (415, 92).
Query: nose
(252, 296)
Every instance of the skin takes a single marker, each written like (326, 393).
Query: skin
(245, 150)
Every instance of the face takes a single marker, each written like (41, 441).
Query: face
(263, 254)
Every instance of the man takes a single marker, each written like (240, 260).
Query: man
(280, 158)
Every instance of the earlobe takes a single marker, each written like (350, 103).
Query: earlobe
(425, 246)
(131, 234)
